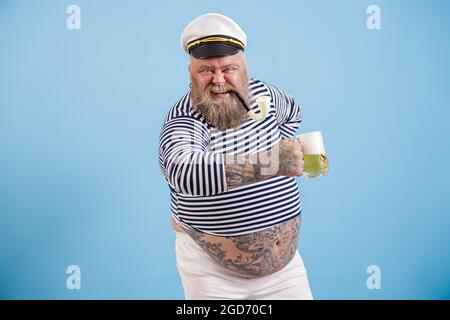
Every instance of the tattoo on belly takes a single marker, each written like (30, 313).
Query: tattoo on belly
(256, 254)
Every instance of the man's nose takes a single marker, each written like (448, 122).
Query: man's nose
(218, 79)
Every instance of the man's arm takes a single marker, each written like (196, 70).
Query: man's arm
(191, 169)
(185, 161)
(287, 112)
(285, 159)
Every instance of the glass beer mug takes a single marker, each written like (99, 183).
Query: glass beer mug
(314, 155)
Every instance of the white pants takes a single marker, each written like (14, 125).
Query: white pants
(203, 278)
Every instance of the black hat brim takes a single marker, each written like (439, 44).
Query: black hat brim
(214, 49)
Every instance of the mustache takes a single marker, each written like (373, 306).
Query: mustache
(220, 89)
(229, 88)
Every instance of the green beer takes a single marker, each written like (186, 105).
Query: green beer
(314, 155)
(315, 165)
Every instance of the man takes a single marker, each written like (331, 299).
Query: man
(234, 198)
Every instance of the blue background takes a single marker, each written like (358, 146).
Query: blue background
(81, 111)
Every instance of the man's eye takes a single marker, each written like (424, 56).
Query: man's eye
(229, 69)
(205, 71)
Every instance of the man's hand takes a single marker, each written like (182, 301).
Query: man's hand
(290, 158)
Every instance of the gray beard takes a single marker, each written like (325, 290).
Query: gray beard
(224, 113)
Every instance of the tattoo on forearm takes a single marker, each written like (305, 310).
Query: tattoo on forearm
(241, 170)
(241, 174)
(257, 254)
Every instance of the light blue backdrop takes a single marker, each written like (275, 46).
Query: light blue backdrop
(81, 111)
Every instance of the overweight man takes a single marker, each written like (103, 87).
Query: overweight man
(230, 160)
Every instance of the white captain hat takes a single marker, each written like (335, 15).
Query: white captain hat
(211, 35)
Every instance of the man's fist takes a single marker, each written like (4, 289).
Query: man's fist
(290, 158)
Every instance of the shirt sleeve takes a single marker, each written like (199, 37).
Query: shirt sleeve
(186, 164)
(288, 112)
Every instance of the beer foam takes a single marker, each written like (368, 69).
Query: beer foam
(310, 148)
(312, 142)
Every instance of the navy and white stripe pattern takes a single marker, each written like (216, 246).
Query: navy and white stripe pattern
(191, 155)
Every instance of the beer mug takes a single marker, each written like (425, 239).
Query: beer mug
(314, 156)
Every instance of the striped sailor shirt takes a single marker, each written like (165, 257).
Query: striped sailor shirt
(191, 157)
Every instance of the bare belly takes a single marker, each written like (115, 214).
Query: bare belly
(252, 255)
